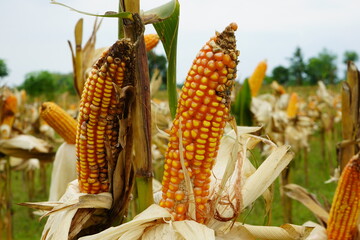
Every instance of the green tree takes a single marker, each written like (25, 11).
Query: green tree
(297, 67)
(280, 74)
(48, 84)
(322, 67)
(350, 56)
(38, 84)
(157, 61)
(4, 71)
(65, 83)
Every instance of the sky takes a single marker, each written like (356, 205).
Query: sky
(34, 34)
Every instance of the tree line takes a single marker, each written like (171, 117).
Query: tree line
(298, 72)
(321, 67)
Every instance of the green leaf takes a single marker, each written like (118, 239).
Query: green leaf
(160, 13)
(168, 32)
(241, 107)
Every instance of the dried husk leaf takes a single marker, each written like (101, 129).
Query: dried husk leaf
(63, 172)
(62, 212)
(160, 232)
(140, 222)
(247, 182)
(192, 230)
(318, 233)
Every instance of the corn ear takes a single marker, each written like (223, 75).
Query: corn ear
(202, 112)
(98, 122)
(345, 209)
(293, 105)
(257, 78)
(151, 40)
(59, 120)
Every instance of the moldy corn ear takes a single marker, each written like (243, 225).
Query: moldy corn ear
(256, 79)
(98, 122)
(345, 209)
(60, 121)
(202, 112)
(151, 40)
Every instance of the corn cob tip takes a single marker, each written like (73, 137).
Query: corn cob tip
(234, 26)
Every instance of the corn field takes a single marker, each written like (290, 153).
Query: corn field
(217, 158)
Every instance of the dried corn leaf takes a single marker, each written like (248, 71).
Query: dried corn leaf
(318, 233)
(286, 231)
(266, 174)
(26, 146)
(308, 200)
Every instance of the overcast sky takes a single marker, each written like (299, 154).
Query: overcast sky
(34, 34)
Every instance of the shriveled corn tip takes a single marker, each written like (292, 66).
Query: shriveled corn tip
(98, 123)
(60, 121)
(151, 40)
(293, 105)
(256, 79)
(202, 112)
(345, 209)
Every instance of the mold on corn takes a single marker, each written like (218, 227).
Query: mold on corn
(202, 112)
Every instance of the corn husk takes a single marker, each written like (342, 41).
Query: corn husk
(64, 170)
(62, 212)
(318, 233)
(157, 223)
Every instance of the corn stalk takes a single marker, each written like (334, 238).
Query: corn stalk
(6, 228)
(350, 116)
(141, 108)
